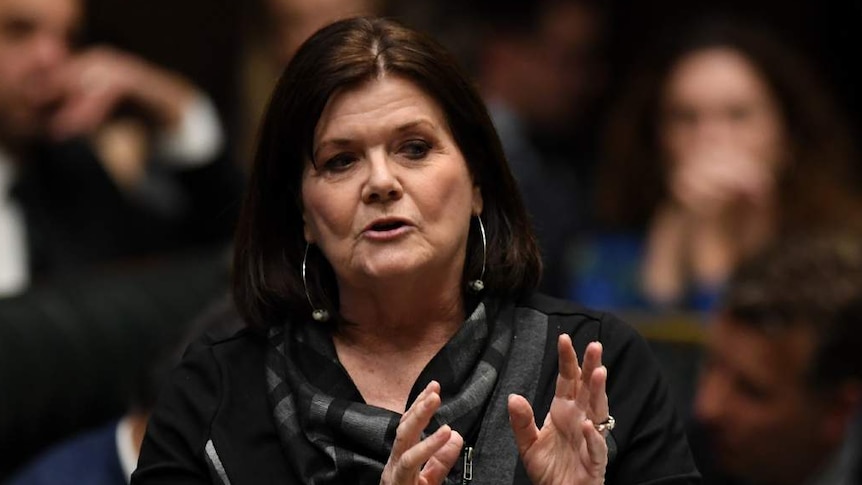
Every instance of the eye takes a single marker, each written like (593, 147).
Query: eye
(340, 162)
(682, 117)
(415, 149)
(739, 113)
(18, 28)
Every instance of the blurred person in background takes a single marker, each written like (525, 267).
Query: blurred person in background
(779, 393)
(103, 155)
(540, 71)
(107, 164)
(273, 31)
(723, 144)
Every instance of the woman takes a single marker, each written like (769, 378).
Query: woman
(722, 145)
(393, 333)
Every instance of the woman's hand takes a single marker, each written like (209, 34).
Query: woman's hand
(568, 449)
(717, 178)
(422, 462)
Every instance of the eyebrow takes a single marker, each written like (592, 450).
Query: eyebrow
(405, 127)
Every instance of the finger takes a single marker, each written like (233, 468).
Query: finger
(569, 376)
(592, 361)
(597, 447)
(523, 423)
(411, 460)
(432, 386)
(84, 113)
(412, 423)
(437, 467)
(598, 394)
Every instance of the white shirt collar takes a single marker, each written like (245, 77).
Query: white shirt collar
(125, 448)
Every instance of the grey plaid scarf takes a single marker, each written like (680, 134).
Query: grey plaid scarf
(329, 435)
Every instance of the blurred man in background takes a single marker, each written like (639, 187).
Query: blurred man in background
(780, 390)
(103, 156)
(116, 202)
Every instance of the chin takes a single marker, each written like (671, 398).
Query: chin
(396, 267)
(390, 270)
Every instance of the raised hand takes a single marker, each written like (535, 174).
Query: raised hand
(93, 83)
(422, 462)
(568, 449)
(715, 178)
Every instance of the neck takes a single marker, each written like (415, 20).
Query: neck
(400, 317)
(394, 332)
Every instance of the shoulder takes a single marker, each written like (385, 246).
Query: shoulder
(576, 318)
(622, 344)
(88, 458)
(221, 344)
(218, 390)
(210, 367)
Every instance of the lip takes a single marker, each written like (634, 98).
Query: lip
(388, 234)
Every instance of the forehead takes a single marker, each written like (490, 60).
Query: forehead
(381, 103)
(61, 14)
(715, 72)
(777, 360)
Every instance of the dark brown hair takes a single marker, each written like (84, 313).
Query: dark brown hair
(806, 282)
(812, 186)
(269, 244)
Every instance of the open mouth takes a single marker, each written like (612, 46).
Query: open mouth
(387, 226)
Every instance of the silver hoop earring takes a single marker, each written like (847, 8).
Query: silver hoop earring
(318, 314)
(478, 285)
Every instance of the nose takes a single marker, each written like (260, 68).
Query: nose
(382, 184)
(51, 50)
(713, 130)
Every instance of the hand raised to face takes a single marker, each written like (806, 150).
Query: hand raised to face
(568, 449)
(94, 83)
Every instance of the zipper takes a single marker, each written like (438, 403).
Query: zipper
(467, 476)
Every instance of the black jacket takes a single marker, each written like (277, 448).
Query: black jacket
(214, 424)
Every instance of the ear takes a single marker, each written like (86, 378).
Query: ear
(478, 203)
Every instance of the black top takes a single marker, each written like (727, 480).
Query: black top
(214, 424)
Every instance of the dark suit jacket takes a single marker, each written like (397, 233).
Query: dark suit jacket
(114, 283)
(76, 216)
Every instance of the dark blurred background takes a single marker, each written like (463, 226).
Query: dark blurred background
(204, 39)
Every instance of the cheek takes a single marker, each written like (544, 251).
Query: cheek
(328, 213)
(676, 148)
(446, 198)
(766, 141)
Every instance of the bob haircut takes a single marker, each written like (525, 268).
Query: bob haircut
(812, 185)
(269, 246)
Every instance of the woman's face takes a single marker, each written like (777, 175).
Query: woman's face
(716, 105)
(389, 193)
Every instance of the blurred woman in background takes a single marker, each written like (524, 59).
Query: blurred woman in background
(726, 143)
